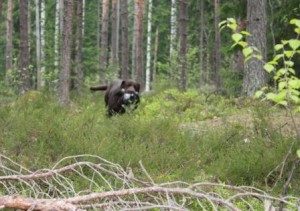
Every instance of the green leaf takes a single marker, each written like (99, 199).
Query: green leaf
(222, 23)
(282, 85)
(278, 47)
(298, 153)
(231, 20)
(237, 37)
(295, 22)
(245, 33)
(258, 94)
(278, 56)
(247, 51)
(294, 98)
(268, 67)
(294, 44)
(271, 96)
(284, 103)
(288, 54)
(258, 56)
(243, 44)
(297, 30)
(294, 83)
(289, 63)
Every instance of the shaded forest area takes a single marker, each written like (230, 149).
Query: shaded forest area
(174, 40)
(200, 138)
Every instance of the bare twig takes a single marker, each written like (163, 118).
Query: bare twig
(109, 186)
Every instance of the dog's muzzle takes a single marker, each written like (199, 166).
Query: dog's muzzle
(131, 98)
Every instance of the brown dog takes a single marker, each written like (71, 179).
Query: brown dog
(119, 95)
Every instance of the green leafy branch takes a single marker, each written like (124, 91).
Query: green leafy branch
(281, 66)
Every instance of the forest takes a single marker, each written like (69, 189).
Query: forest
(217, 125)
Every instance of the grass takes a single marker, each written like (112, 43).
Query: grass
(36, 132)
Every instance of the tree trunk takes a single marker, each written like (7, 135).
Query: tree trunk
(202, 48)
(9, 43)
(24, 48)
(217, 46)
(173, 72)
(124, 41)
(64, 77)
(254, 76)
(79, 37)
(42, 36)
(183, 15)
(114, 32)
(56, 36)
(1, 6)
(173, 27)
(148, 62)
(133, 45)
(154, 72)
(139, 66)
(104, 40)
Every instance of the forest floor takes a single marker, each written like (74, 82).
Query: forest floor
(282, 122)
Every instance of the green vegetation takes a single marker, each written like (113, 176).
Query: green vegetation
(178, 136)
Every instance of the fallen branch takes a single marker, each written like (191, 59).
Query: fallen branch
(109, 186)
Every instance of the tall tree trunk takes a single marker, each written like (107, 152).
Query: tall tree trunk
(139, 66)
(1, 6)
(38, 44)
(24, 48)
(254, 76)
(42, 36)
(114, 32)
(64, 77)
(217, 46)
(57, 36)
(124, 40)
(155, 56)
(133, 45)
(79, 37)
(183, 15)
(173, 40)
(9, 43)
(104, 40)
(202, 48)
(148, 62)
(173, 27)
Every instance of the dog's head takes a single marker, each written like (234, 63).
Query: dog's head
(130, 92)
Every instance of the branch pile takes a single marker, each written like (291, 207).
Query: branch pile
(86, 182)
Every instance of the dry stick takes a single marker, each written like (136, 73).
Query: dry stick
(287, 183)
(155, 189)
(282, 164)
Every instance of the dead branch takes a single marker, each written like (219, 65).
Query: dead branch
(107, 186)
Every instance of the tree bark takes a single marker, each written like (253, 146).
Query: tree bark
(124, 40)
(9, 43)
(173, 27)
(56, 36)
(154, 72)
(202, 48)
(64, 77)
(1, 6)
(79, 38)
(139, 18)
(183, 15)
(114, 32)
(24, 48)
(104, 40)
(217, 46)
(148, 62)
(254, 76)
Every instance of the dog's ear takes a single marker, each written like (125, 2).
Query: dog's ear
(137, 87)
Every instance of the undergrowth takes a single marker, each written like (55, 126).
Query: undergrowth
(37, 132)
